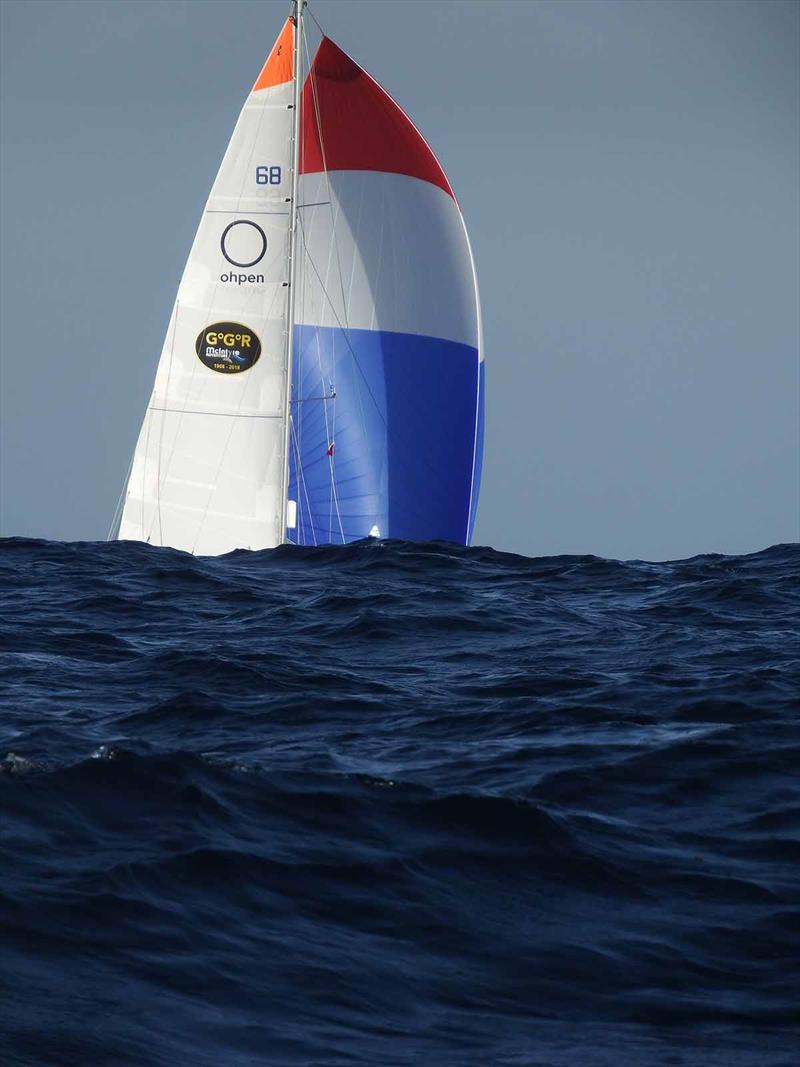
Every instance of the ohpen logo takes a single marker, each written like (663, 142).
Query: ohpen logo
(228, 347)
(244, 245)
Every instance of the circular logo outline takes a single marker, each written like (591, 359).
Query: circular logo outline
(243, 222)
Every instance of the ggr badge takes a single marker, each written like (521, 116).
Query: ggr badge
(228, 347)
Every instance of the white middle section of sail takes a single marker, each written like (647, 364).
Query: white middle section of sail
(208, 467)
(384, 252)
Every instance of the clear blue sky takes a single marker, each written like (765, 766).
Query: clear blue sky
(629, 172)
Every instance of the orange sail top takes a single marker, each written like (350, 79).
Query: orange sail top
(279, 65)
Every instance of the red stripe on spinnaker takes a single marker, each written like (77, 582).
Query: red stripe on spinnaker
(362, 127)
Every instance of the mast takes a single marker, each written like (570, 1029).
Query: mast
(298, 39)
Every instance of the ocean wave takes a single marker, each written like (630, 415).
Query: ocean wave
(398, 803)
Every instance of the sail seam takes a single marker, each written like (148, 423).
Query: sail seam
(239, 211)
(226, 414)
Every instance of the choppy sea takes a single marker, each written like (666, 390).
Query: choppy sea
(398, 804)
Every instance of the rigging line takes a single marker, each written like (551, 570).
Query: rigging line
(422, 458)
(307, 292)
(334, 213)
(345, 304)
(148, 420)
(329, 440)
(332, 460)
(374, 281)
(325, 171)
(334, 495)
(300, 484)
(383, 91)
(302, 480)
(344, 330)
(308, 399)
(356, 230)
(331, 444)
(117, 516)
(314, 20)
(474, 276)
(327, 434)
(315, 98)
(161, 435)
(318, 125)
(161, 428)
(332, 464)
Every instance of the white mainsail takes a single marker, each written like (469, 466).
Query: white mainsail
(322, 375)
(209, 471)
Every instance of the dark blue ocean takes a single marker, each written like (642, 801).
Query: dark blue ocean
(398, 804)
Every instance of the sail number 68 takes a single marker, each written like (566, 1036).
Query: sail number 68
(268, 175)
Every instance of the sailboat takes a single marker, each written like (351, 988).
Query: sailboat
(321, 379)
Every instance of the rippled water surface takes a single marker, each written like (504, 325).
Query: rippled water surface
(398, 804)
